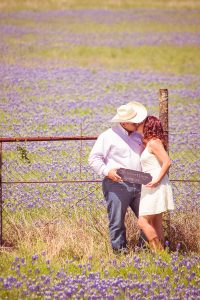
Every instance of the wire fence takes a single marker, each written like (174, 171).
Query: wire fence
(51, 172)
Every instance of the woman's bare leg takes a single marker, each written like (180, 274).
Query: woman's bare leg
(157, 224)
(146, 224)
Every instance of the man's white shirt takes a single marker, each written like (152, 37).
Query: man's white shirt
(115, 149)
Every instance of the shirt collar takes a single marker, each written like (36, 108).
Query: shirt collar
(124, 130)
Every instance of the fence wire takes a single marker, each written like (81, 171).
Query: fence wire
(53, 173)
(47, 174)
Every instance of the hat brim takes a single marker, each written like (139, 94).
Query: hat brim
(140, 116)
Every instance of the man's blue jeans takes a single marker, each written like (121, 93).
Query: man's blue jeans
(119, 196)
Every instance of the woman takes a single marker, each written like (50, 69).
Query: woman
(156, 196)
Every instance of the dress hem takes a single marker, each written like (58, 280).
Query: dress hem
(155, 213)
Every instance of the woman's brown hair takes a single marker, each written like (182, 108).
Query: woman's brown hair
(153, 130)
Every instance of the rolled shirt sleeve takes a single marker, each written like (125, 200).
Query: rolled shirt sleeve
(97, 157)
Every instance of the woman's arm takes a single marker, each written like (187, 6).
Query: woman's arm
(156, 147)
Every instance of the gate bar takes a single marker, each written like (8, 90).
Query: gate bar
(47, 138)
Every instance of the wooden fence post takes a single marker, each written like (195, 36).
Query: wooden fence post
(163, 112)
(1, 198)
(163, 116)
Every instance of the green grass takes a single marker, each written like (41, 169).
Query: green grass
(73, 268)
(128, 27)
(3, 115)
(80, 111)
(183, 101)
(163, 58)
(168, 59)
(91, 27)
(13, 5)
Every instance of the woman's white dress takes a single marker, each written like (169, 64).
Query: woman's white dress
(158, 199)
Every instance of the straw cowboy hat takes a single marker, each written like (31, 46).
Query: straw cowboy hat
(132, 112)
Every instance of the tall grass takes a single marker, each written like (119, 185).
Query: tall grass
(83, 232)
(60, 233)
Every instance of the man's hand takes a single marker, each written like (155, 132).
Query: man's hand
(112, 174)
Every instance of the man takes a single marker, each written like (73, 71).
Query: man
(120, 147)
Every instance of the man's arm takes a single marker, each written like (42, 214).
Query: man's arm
(98, 155)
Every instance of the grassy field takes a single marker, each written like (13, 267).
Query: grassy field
(65, 66)
(36, 5)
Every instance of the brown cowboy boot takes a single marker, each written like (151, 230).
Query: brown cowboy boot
(155, 245)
